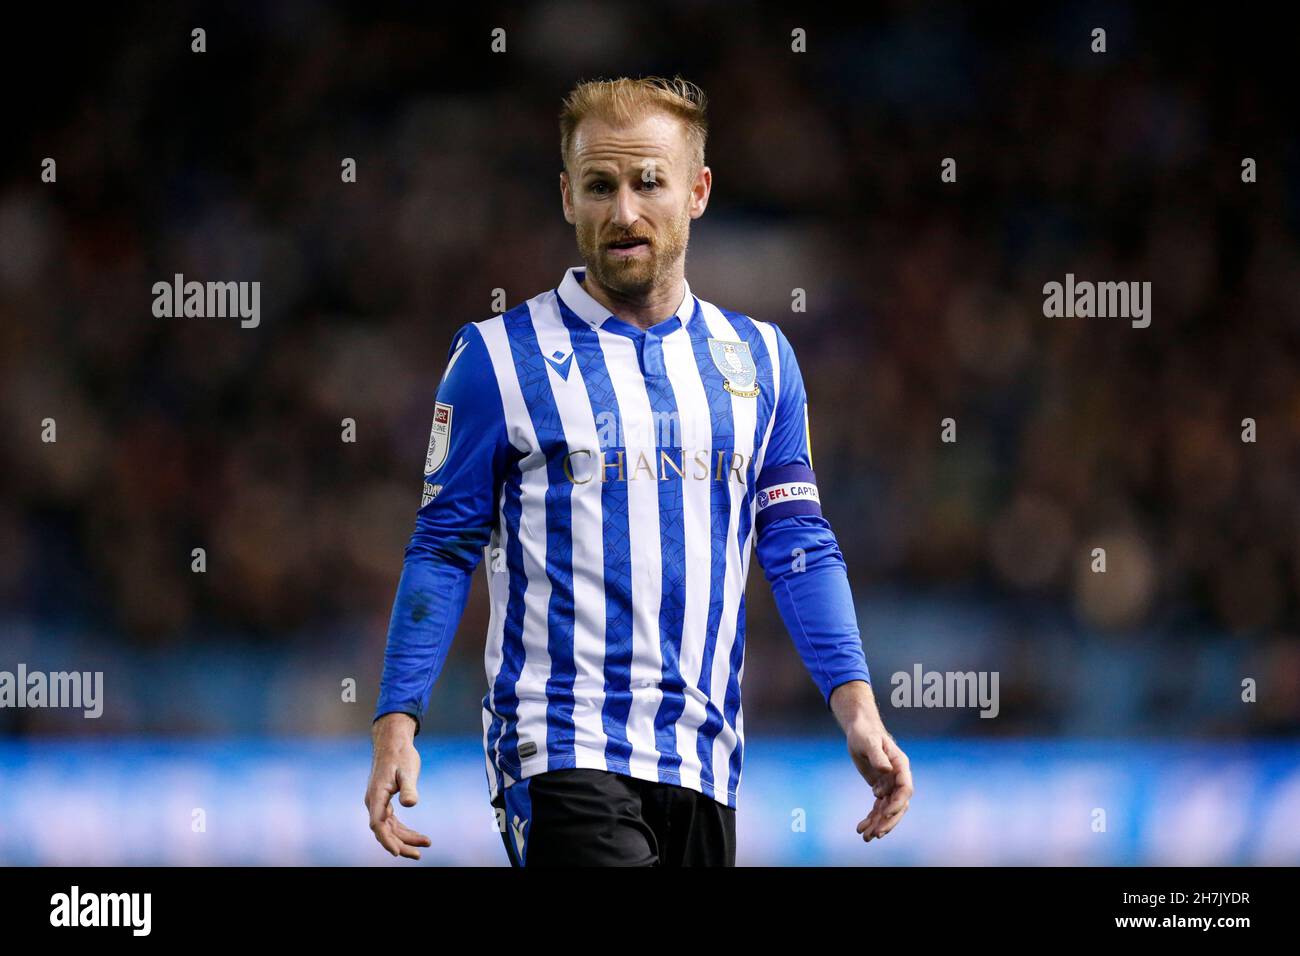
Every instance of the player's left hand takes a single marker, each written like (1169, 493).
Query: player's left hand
(882, 764)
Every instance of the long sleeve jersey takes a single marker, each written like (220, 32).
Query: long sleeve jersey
(613, 481)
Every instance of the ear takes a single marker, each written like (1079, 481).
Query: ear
(700, 190)
(566, 197)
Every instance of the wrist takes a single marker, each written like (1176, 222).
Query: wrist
(394, 729)
(853, 702)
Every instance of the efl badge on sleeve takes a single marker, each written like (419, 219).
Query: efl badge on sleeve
(733, 360)
(439, 438)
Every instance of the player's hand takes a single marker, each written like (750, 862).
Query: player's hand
(395, 769)
(882, 764)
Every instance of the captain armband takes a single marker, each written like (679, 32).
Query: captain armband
(786, 490)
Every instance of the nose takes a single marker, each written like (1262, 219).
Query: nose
(625, 213)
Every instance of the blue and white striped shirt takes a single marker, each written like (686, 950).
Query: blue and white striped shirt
(613, 481)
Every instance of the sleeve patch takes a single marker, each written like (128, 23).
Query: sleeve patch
(439, 438)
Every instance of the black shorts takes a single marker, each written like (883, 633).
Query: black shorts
(582, 817)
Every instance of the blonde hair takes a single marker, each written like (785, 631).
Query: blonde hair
(625, 101)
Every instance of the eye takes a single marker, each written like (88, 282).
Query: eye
(650, 184)
(597, 186)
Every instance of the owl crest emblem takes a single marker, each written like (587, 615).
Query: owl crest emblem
(734, 361)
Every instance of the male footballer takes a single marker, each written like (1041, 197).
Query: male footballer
(611, 450)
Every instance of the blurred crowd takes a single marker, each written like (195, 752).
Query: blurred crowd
(923, 303)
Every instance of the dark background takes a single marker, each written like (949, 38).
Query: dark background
(924, 302)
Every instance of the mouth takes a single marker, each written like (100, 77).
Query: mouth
(624, 248)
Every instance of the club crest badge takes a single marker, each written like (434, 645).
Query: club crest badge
(439, 438)
(734, 361)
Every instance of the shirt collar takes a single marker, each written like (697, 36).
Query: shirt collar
(579, 300)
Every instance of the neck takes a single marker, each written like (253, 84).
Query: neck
(657, 304)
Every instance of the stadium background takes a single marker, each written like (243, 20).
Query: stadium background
(1119, 691)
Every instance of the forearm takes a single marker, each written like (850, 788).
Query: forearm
(430, 601)
(811, 587)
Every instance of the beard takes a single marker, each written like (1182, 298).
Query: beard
(634, 276)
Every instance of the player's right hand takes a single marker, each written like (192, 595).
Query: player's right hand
(395, 769)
